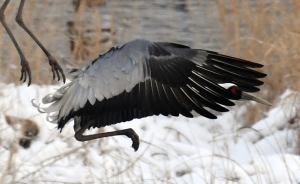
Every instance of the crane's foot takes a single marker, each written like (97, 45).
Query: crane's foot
(134, 137)
(56, 69)
(25, 71)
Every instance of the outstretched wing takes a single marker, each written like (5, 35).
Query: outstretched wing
(145, 78)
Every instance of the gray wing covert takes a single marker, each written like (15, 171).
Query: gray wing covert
(118, 70)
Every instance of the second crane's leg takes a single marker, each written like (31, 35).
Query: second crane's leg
(128, 132)
(56, 69)
(25, 71)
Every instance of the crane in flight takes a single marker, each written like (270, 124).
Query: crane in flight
(143, 78)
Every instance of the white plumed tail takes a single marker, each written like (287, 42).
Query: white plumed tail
(54, 98)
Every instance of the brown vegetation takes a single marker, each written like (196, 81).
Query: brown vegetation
(89, 3)
(29, 129)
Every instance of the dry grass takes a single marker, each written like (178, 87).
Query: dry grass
(89, 3)
(28, 131)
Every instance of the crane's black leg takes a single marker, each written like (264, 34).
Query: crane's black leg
(56, 69)
(25, 71)
(128, 132)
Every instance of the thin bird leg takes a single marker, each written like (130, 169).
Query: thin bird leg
(128, 132)
(25, 71)
(52, 61)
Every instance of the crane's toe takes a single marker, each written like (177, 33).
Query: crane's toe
(135, 143)
(25, 71)
(56, 69)
(134, 137)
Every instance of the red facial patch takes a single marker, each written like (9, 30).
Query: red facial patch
(235, 91)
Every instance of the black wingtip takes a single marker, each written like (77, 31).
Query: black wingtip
(234, 60)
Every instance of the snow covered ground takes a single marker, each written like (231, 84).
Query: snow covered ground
(172, 149)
